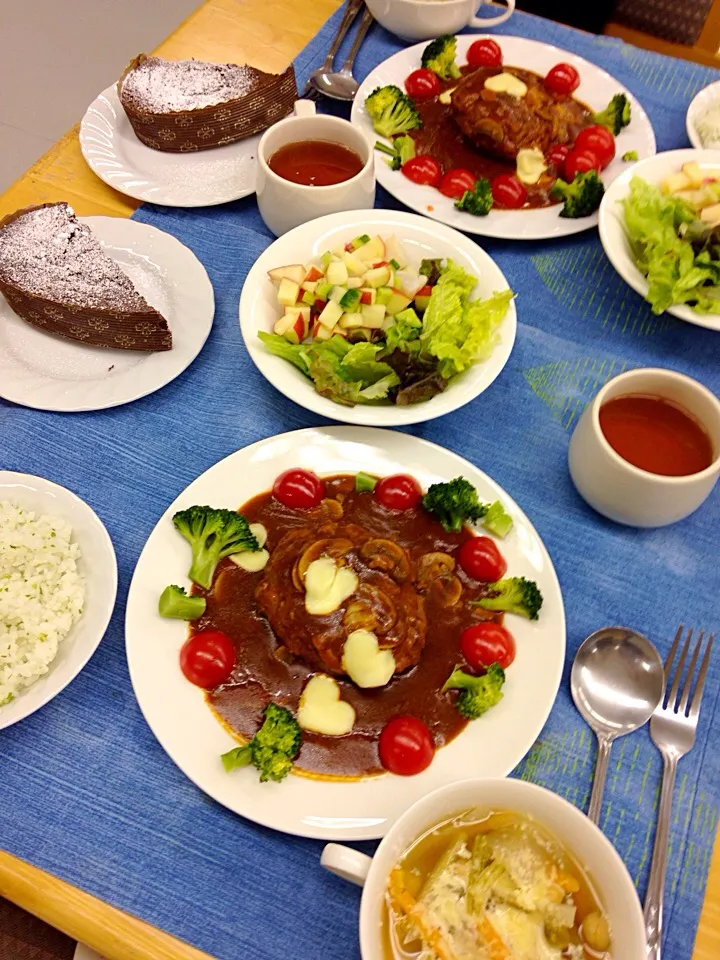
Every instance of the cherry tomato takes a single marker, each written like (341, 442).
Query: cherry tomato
(423, 169)
(480, 559)
(456, 182)
(484, 53)
(508, 192)
(487, 643)
(207, 658)
(298, 488)
(563, 79)
(406, 746)
(557, 154)
(580, 161)
(398, 492)
(422, 84)
(598, 140)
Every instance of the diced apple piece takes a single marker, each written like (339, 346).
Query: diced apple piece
(337, 293)
(383, 295)
(394, 250)
(323, 333)
(378, 277)
(331, 314)
(675, 182)
(295, 272)
(373, 316)
(288, 292)
(694, 174)
(422, 298)
(284, 323)
(711, 214)
(367, 295)
(310, 285)
(372, 251)
(387, 323)
(354, 283)
(696, 198)
(350, 321)
(337, 273)
(355, 266)
(313, 274)
(409, 281)
(397, 302)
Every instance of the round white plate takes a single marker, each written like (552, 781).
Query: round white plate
(187, 729)
(596, 90)
(200, 179)
(259, 309)
(49, 373)
(612, 222)
(97, 564)
(702, 101)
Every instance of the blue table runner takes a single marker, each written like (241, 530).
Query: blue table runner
(85, 790)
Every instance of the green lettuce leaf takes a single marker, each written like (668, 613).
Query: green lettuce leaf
(360, 363)
(349, 373)
(404, 333)
(296, 354)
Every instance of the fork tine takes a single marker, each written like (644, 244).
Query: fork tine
(672, 696)
(691, 670)
(697, 696)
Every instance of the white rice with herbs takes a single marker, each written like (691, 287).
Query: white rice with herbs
(41, 594)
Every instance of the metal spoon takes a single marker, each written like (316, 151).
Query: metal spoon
(351, 11)
(341, 84)
(617, 681)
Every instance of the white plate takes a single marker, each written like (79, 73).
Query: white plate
(612, 222)
(185, 726)
(703, 99)
(200, 179)
(49, 373)
(97, 564)
(259, 309)
(596, 90)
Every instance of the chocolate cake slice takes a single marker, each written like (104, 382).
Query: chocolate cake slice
(55, 274)
(185, 105)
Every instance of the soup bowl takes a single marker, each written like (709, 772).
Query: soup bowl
(592, 850)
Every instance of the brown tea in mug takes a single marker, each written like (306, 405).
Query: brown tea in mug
(316, 163)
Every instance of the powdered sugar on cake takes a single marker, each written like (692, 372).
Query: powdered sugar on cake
(47, 253)
(167, 86)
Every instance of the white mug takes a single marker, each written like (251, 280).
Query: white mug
(424, 19)
(623, 492)
(284, 204)
(590, 847)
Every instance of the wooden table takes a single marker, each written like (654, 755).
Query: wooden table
(267, 34)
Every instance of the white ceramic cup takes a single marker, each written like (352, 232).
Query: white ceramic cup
(623, 492)
(424, 19)
(284, 204)
(590, 847)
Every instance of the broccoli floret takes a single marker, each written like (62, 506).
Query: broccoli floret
(477, 694)
(582, 197)
(454, 503)
(439, 56)
(477, 201)
(513, 595)
(212, 534)
(177, 605)
(272, 749)
(630, 156)
(616, 114)
(391, 111)
(400, 151)
(497, 521)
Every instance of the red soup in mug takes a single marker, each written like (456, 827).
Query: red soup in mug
(316, 163)
(656, 435)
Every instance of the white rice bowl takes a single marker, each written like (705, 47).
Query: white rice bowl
(42, 594)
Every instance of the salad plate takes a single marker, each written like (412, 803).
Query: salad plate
(704, 100)
(420, 239)
(613, 233)
(595, 91)
(193, 736)
(48, 373)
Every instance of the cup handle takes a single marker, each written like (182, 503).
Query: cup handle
(483, 22)
(346, 863)
(306, 108)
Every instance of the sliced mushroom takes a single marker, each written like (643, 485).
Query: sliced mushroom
(327, 509)
(372, 609)
(333, 547)
(431, 566)
(446, 590)
(386, 556)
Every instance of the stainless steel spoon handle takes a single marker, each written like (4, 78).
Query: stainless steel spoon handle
(601, 768)
(351, 11)
(658, 870)
(365, 24)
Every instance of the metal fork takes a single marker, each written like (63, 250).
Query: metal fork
(672, 729)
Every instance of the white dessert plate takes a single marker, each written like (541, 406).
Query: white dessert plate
(98, 566)
(612, 222)
(259, 309)
(194, 739)
(596, 90)
(48, 373)
(702, 101)
(200, 179)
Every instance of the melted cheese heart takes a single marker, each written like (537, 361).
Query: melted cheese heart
(364, 662)
(327, 586)
(321, 710)
(253, 560)
(507, 83)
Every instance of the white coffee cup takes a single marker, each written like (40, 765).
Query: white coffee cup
(424, 19)
(590, 847)
(284, 204)
(623, 492)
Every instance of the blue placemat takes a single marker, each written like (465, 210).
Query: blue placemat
(85, 790)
